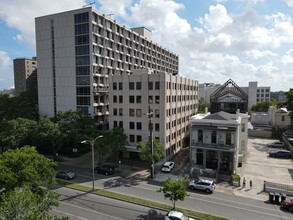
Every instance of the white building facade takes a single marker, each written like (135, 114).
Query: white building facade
(255, 94)
(77, 51)
(172, 100)
(218, 141)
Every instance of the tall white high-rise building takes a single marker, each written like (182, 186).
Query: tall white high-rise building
(77, 51)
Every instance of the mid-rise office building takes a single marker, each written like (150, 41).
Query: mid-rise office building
(254, 93)
(171, 100)
(25, 74)
(77, 51)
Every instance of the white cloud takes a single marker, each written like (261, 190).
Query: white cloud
(4, 60)
(217, 19)
(119, 8)
(18, 38)
(257, 54)
(289, 3)
(21, 14)
(287, 59)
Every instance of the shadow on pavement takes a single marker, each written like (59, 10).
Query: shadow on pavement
(151, 215)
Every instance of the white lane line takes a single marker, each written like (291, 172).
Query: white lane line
(66, 213)
(236, 207)
(89, 210)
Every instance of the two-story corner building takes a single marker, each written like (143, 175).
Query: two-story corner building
(218, 141)
(171, 99)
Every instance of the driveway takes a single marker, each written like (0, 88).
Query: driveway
(258, 167)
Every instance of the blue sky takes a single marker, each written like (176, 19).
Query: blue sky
(245, 40)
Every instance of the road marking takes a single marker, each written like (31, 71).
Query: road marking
(66, 213)
(282, 217)
(75, 206)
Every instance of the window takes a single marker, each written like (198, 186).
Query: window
(121, 124)
(83, 100)
(83, 70)
(115, 99)
(81, 50)
(138, 125)
(131, 125)
(120, 86)
(150, 85)
(243, 127)
(150, 99)
(131, 99)
(157, 99)
(83, 91)
(228, 138)
(82, 60)
(157, 113)
(157, 127)
(120, 111)
(138, 85)
(83, 80)
(200, 136)
(82, 39)
(131, 112)
(81, 29)
(138, 99)
(131, 138)
(114, 111)
(157, 85)
(114, 86)
(283, 118)
(131, 85)
(81, 18)
(138, 138)
(138, 112)
(214, 137)
(120, 99)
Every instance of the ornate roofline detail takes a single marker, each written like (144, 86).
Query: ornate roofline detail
(226, 89)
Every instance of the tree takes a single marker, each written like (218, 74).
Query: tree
(174, 190)
(289, 96)
(202, 105)
(23, 204)
(116, 139)
(264, 105)
(146, 151)
(25, 167)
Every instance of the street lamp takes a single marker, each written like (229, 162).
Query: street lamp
(92, 142)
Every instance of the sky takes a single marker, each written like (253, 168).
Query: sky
(216, 40)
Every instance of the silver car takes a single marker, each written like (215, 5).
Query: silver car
(202, 184)
(65, 174)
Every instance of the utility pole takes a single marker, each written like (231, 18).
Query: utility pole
(150, 115)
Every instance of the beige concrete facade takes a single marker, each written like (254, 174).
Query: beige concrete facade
(171, 99)
(24, 69)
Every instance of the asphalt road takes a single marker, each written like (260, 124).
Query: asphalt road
(85, 206)
(220, 204)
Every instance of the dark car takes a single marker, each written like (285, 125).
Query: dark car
(65, 174)
(277, 144)
(105, 169)
(281, 153)
(287, 204)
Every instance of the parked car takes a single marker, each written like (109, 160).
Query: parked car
(202, 184)
(277, 144)
(105, 169)
(168, 166)
(287, 204)
(174, 215)
(65, 174)
(281, 153)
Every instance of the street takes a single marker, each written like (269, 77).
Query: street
(219, 204)
(86, 206)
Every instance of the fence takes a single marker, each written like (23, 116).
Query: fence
(278, 187)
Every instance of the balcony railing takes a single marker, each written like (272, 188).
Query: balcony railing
(212, 145)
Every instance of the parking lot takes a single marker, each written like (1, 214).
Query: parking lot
(258, 167)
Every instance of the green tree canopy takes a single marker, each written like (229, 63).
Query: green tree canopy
(23, 204)
(116, 139)
(202, 105)
(264, 105)
(174, 190)
(289, 96)
(146, 152)
(25, 166)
